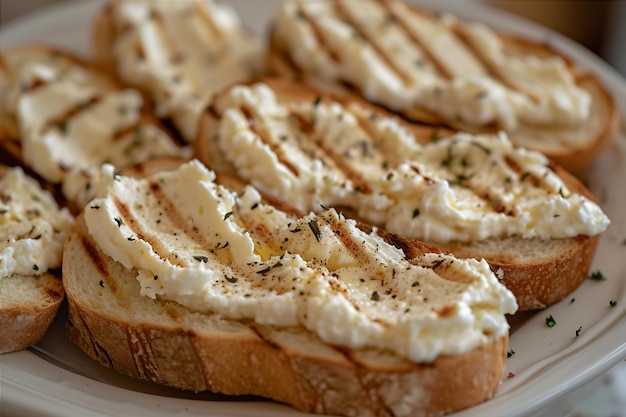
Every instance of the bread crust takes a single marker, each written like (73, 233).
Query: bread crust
(558, 266)
(25, 317)
(602, 127)
(548, 277)
(161, 341)
(28, 304)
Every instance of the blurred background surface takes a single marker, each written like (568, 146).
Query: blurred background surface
(599, 25)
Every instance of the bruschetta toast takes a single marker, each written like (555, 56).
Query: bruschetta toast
(33, 230)
(177, 279)
(472, 195)
(178, 53)
(63, 118)
(437, 69)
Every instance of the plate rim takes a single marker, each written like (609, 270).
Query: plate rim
(14, 366)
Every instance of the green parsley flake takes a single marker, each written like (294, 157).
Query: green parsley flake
(550, 322)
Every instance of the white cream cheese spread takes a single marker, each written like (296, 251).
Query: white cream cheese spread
(181, 52)
(404, 60)
(213, 250)
(70, 124)
(32, 226)
(463, 188)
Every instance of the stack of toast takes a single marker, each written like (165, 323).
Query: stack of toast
(340, 219)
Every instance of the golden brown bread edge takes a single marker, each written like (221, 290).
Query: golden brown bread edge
(557, 269)
(28, 305)
(543, 280)
(167, 345)
(575, 160)
(27, 308)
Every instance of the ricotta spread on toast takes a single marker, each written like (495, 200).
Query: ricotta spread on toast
(213, 250)
(181, 52)
(460, 188)
(32, 226)
(405, 59)
(70, 123)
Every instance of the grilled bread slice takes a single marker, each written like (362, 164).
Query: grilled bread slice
(440, 70)
(178, 53)
(472, 195)
(64, 118)
(33, 230)
(28, 304)
(199, 344)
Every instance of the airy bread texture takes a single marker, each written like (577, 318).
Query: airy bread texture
(28, 304)
(164, 342)
(437, 53)
(539, 272)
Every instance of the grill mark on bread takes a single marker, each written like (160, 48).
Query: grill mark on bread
(261, 134)
(365, 123)
(336, 158)
(285, 58)
(34, 85)
(492, 70)
(419, 44)
(357, 250)
(134, 225)
(518, 169)
(317, 33)
(175, 55)
(362, 34)
(140, 53)
(169, 209)
(93, 253)
(202, 13)
(119, 134)
(73, 111)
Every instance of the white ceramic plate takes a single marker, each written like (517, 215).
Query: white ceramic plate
(550, 364)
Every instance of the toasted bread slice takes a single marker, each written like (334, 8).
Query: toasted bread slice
(64, 118)
(194, 48)
(28, 304)
(33, 230)
(443, 71)
(317, 150)
(199, 348)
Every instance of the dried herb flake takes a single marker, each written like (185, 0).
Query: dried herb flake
(315, 229)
